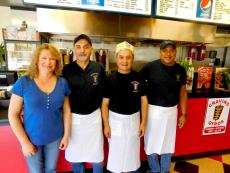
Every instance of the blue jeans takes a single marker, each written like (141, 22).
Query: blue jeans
(45, 159)
(164, 164)
(79, 167)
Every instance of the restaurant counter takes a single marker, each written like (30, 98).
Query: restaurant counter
(189, 140)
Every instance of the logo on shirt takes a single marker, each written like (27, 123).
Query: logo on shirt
(135, 86)
(95, 78)
(177, 77)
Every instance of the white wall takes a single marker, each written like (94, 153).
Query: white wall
(9, 17)
(5, 19)
(17, 16)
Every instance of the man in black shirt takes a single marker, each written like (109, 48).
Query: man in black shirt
(85, 79)
(124, 111)
(166, 82)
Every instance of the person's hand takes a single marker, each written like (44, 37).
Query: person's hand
(107, 131)
(28, 149)
(141, 130)
(63, 143)
(182, 121)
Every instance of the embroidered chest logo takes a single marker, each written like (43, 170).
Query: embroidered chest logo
(135, 86)
(95, 78)
(177, 77)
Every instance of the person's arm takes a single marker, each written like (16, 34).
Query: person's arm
(183, 104)
(15, 108)
(144, 111)
(67, 119)
(105, 117)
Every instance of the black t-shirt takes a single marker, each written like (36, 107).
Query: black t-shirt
(86, 86)
(163, 83)
(124, 92)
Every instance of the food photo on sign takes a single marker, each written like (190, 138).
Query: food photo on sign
(216, 117)
(222, 79)
(204, 79)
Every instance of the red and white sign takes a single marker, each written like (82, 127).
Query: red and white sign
(216, 118)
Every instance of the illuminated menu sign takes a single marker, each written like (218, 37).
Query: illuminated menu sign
(213, 11)
(142, 7)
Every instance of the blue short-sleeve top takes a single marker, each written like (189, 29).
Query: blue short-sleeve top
(43, 120)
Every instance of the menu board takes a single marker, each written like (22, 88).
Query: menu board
(222, 11)
(214, 11)
(179, 9)
(142, 7)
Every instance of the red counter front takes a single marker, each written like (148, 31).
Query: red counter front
(189, 141)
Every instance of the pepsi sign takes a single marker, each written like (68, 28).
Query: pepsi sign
(204, 9)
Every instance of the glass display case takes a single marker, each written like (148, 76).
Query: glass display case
(19, 50)
(19, 54)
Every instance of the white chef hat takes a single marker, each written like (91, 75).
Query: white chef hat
(124, 45)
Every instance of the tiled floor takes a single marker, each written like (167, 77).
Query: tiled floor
(214, 164)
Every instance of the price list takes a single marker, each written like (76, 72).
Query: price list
(142, 7)
(177, 8)
(222, 11)
(212, 11)
(131, 6)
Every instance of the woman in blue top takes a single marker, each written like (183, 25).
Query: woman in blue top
(43, 95)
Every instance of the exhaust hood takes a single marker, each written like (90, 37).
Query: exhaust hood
(107, 25)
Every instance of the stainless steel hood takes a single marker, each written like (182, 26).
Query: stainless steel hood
(122, 26)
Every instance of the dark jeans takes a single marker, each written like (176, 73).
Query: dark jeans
(163, 166)
(79, 167)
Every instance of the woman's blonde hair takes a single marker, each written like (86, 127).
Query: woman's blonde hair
(33, 71)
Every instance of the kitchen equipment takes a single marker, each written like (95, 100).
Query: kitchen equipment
(101, 56)
(217, 62)
(201, 52)
(212, 54)
(192, 51)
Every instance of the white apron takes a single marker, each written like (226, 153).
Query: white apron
(86, 142)
(160, 133)
(124, 144)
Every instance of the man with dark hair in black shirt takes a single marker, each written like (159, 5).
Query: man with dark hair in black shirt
(85, 79)
(166, 82)
(123, 102)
